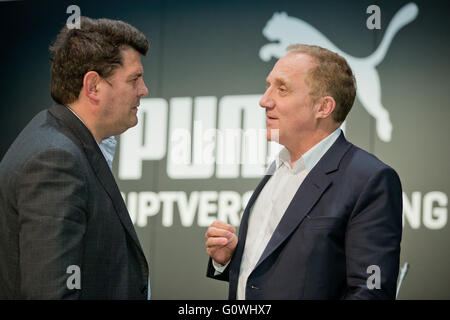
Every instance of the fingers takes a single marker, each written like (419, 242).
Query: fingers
(217, 232)
(218, 237)
(222, 225)
(221, 240)
(214, 242)
(220, 229)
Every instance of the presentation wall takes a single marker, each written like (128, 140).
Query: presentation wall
(199, 149)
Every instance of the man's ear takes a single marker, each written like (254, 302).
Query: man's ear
(91, 82)
(325, 106)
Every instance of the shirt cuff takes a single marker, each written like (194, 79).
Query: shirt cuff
(218, 267)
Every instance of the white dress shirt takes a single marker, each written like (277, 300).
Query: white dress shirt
(272, 203)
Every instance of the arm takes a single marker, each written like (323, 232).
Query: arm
(51, 196)
(373, 237)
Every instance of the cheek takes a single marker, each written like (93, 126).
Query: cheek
(293, 121)
(129, 96)
(122, 102)
(288, 117)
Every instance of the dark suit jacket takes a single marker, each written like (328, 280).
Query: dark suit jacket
(345, 217)
(60, 206)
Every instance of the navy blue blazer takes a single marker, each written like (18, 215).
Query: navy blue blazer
(345, 217)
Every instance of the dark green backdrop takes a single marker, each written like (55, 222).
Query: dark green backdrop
(210, 48)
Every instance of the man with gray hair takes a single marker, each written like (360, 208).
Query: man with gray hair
(65, 232)
(326, 220)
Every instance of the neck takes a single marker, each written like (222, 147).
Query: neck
(88, 119)
(301, 145)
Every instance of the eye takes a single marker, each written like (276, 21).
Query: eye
(134, 81)
(282, 89)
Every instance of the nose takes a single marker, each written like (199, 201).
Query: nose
(266, 100)
(143, 91)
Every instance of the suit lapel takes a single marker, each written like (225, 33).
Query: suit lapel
(104, 175)
(307, 195)
(304, 200)
(98, 164)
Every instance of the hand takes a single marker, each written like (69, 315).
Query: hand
(221, 240)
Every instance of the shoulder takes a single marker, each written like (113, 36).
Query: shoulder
(362, 170)
(43, 138)
(364, 163)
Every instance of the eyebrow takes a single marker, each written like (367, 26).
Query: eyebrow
(136, 75)
(278, 81)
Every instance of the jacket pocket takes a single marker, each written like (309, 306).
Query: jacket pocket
(322, 222)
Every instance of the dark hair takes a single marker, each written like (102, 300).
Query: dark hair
(331, 76)
(96, 46)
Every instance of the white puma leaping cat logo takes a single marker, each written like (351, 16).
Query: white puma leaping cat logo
(289, 30)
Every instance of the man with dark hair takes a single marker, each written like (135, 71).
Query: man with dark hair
(326, 220)
(65, 232)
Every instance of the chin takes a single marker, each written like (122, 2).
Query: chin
(134, 122)
(273, 135)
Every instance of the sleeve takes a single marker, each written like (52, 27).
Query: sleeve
(217, 271)
(220, 268)
(51, 200)
(373, 239)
